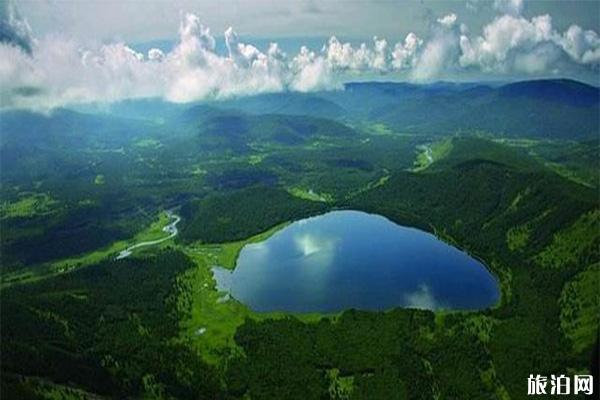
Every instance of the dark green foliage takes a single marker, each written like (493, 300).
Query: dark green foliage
(283, 362)
(475, 201)
(542, 109)
(471, 200)
(111, 328)
(343, 167)
(470, 150)
(158, 161)
(241, 178)
(289, 359)
(558, 108)
(457, 359)
(73, 229)
(399, 354)
(242, 214)
(61, 155)
(235, 132)
(105, 328)
(578, 160)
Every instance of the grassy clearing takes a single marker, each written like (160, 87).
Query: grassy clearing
(480, 326)
(379, 129)
(255, 159)
(89, 258)
(340, 387)
(373, 128)
(99, 180)
(225, 254)
(518, 142)
(371, 185)
(29, 205)
(569, 159)
(514, 206)
(213, 316)
(148, 143)
(430, 153)
(308, 194)
(153, 232)
(197, 170)
(210, 322)
(518, 237)
(567, 173)
(579, 303)
(568, 245)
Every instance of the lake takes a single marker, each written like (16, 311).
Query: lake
(351, 259)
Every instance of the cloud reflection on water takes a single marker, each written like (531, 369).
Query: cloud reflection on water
(349, 259)
(423, 299)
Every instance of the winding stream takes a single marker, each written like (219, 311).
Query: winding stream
(171, 229)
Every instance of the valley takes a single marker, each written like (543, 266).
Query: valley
(119, 298)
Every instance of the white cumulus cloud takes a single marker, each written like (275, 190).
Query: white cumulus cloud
(448, 20)
(404, 55)
(440, 51)
(582, 46)
(53, 71)
(517, 44)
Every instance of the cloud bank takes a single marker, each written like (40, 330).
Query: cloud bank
(42, 73)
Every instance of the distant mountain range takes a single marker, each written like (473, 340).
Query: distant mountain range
(542, 108)
(554, 109)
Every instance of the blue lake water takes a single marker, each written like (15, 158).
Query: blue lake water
(351, 259)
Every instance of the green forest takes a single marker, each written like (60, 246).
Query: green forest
(79, 322)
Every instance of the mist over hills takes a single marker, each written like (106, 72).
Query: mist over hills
(554, 108)
(541, 108)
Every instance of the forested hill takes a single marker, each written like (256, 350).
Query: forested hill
(141, 327)
(539, 109)
(548, 109)
(534, 229)
(480, 191)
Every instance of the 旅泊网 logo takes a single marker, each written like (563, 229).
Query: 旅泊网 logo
(560, 385)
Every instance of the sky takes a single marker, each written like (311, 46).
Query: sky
(55, 53)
